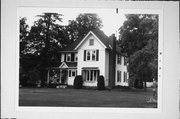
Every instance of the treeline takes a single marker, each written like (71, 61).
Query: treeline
(40, 44)
(139, 40)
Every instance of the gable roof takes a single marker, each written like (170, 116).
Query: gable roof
(97, 32)
(102, 37)
(68, 65)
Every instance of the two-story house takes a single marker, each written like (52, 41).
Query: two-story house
(94, 55)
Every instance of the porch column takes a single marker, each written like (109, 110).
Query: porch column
(48, 77)
(60, 71)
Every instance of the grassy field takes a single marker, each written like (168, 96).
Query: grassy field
(85, 98)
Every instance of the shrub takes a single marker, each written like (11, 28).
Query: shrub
(100, 83)
(29, 78)
(138, 84)
(78, 82)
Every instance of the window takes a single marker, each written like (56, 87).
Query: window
(69, 73)
(125, 76)
(72, 57)
(90, 75)
(119, 59)
(76, 57)
(91, 55)
(118, 76)
(68, 58)
(91, 42)
(88, 55)
(72, 73)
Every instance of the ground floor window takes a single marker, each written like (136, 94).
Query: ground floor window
(90, 75)
(125, 76)
(118, 76)
(72, 73)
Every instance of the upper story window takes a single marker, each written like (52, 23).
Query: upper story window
(68, 57)
(91, 55)
(88, 58)
(76, 57)
(71, 57)
(91, 42)
(119, 59)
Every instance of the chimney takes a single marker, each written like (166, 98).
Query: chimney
(112, 62)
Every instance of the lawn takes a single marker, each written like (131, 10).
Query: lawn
(85, 98)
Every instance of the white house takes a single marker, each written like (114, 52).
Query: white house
(94, 55)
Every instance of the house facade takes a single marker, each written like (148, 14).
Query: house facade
(94, 55)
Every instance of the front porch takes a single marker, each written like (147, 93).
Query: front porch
(57, 76)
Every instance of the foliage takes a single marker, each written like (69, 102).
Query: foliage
(139, 40)
(78, 82)
(43, 42)
(29, 78)
(40, 44)
(23, 29)
(100, 83)
(79, 27)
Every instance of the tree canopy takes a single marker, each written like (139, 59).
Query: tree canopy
(79, 27)
(139, 40)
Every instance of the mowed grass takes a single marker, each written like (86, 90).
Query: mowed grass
(85, 98)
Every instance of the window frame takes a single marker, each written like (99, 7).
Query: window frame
(125, 77)
(91, 42)
(68, 54)
(73, 71)
(76, 57)
(70, 73)
(92, 52)
(89, 73)
(118, 76)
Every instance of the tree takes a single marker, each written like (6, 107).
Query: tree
(136, 31)
(79, 27)
(23, 29)
(139, 40)
(44, 40)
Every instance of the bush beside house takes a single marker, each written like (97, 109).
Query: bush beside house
(100, 83)
(78, 82)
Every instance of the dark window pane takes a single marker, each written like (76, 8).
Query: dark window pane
(91, 42)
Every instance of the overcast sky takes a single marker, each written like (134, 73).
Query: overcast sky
(111, 20)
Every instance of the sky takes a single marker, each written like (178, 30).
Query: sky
(110, 19)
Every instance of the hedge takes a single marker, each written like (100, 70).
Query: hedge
(78, 82)
(100, 83)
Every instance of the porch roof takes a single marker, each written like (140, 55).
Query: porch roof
(90, 68)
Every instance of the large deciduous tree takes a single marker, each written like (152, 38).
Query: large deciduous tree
(139, 40)
(44, 40)
(79, 27)
(23, 29)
